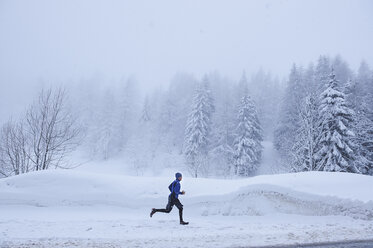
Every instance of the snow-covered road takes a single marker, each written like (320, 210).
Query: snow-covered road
(164, 231)
(351, 244)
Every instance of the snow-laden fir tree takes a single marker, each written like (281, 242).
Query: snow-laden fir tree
(247, 146)
(127, 113)
(305, 138)
(310, 82)
(336, 148)
(221, 152)
(103, 140)
(242, 84)
(341, 70)
(322, 72)
(222, 133)
(363, 128)
(140, 148)
(145, 115)
(358, 98)
(266, 90)
(365, 131)
(304, 149)
(198, 128)
(289, 121)
(174, 107)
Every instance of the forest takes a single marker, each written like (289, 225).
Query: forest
(319, 118)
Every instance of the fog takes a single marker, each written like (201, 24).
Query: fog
(263, 107)
(139, 74)
(48, 42)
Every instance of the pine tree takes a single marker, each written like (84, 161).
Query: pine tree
(363, 128)
(197, 133)
(336, 149)
(223, 137)
(145, 116)
(310, 85)
(222, 154)
(322, 72)
(174, 108)
(265, 90)
(127, 113)
(358, 98)
(367, 129)
(289, 121)
(221, 151)
(248, 148)
(364, 90)
(242, 84)
(341, 69)
(104, 145)
(304, 149)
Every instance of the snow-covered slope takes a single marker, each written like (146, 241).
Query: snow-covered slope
(69, 187)
(72, 204)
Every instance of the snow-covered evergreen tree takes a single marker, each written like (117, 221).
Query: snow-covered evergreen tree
(304, 149)
(174, 107)
(127, 113)
(248, 148)
(341, 70)
(289, 120)
(242, 84)
(336, 148)
(104, 132)
(364, 90)
(223, 122)
(363, 128)
(198, 128)
(266, 90)
(322, 72)
(310, 82)
(145, 115)
(358, 98)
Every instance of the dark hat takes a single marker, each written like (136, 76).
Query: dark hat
(178, 174)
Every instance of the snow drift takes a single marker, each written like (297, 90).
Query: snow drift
(311, 193)
(74, 208)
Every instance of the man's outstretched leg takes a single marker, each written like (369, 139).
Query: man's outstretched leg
(163, 210)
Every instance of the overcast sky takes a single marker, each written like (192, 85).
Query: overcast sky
(58, 41)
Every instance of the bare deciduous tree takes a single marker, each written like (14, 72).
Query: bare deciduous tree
(52, 130)
(13, 150)
(48, 133)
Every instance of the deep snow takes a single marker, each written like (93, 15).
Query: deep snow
(75, 208)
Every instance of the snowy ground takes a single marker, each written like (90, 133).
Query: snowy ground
(270, 159)
(73, 208)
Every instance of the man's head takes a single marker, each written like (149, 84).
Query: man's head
(179, 176)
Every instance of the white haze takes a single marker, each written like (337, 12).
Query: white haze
(53, 42)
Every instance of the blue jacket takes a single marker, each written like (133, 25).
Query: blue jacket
(175, 188)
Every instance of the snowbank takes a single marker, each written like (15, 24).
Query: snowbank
(64, 206)
(291, 193)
